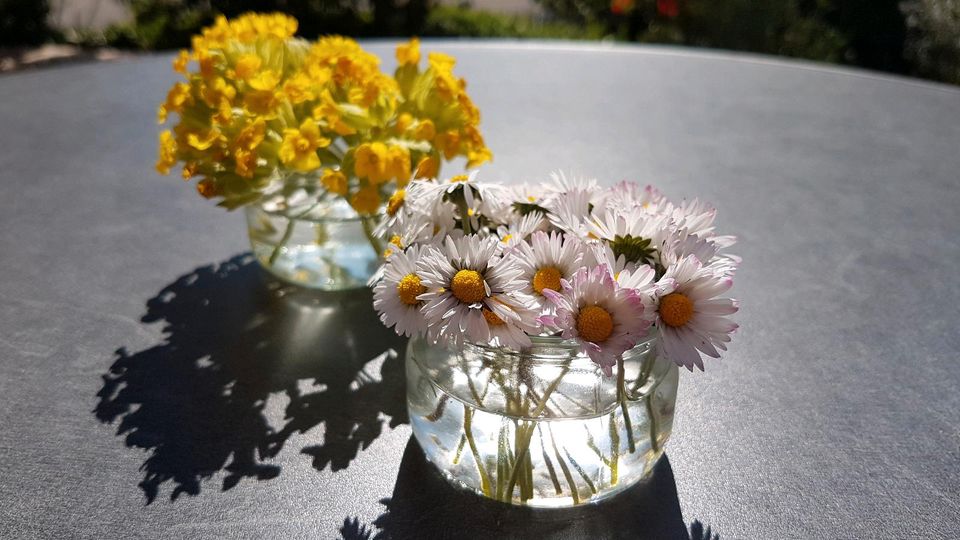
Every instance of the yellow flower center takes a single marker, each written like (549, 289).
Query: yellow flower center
(409, 288)
(302, 145)
(396, 201)
(397, 241)
(546, 278)
(506, 238)
(594, 324)
(459, 178)
(492, 318)
(467, 286)
(676, 309)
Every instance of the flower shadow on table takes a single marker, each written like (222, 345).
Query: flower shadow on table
(425, 505)
(236, 345)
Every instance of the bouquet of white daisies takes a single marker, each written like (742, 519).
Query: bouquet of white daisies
(495, 265)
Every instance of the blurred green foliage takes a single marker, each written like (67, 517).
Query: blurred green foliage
(916, 37)
(455, 21)
(933, 38)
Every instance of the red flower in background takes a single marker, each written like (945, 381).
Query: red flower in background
(667, 8)
(619, 7)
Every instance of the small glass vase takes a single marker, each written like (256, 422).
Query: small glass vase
(544, 427)
(325, 245)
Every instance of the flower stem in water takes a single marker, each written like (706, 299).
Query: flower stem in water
(566, 470)
(372, 238)
(468, 432)
(622, 394)
(525, 433)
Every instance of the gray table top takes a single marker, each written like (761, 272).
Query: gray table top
(153, 384)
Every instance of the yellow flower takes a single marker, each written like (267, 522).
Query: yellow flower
(264, 99)
(334, 181)
(403, 122)
(177, 97)
(409, 53)
(202, 141)
(399, 165)
(297, 88)
(478, 157)
(263, 103)
(216, 91)
(328, 113)
(224, 112)
(441, 62)
(371, 162)
(396, 203)
(247, 66)
(246, 163)
(367, 200)
(181, 61)
(449, 144)
(299, 146)
(428, 168)
(425, 130)
(207, 188)
(207, 63)
(265, 80)
(189, 170)
(251, 136)
(168, 152)
(245, 145)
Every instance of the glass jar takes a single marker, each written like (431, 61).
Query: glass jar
(325, 245)
(544, 427)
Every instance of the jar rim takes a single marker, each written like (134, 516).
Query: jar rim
(310, 217)
(566, 348)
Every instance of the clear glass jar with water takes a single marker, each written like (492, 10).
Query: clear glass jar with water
(324, 245)
(544, 427)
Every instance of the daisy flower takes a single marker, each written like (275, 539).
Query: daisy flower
(471, 290)
(515, 331)
(637, 236)
(495, 206)
(604, 318)
(426, 208)
(527, 194)
(627, 196)
(690, 318)
(521, 229)
(397, 294)
(569, 213)
(695, 216)
(546, 260)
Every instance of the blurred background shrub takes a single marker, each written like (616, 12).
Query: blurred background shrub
(912, 37)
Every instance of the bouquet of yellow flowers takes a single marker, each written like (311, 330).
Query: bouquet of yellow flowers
(305, 129)
(267, 114)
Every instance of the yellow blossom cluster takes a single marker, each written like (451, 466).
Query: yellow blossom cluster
(262, 112)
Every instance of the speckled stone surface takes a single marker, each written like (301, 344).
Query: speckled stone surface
(153, 384)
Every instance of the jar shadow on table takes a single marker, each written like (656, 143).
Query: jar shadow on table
(208, 399)
(425, 505)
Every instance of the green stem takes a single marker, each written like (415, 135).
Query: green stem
(283, 241)
(652, 415)
(371, 238)
(549, 463)
(645, 372)
(468, 431)
(291, 223)
(459, 452)
(563, 467)
(527, 434)
(622, 395)
(614, 450)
